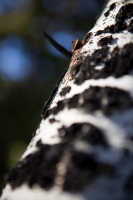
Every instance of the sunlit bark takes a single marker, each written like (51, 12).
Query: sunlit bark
(83, 147)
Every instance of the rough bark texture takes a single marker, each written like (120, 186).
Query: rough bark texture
(83, 147)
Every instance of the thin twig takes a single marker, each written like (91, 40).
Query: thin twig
(59, 47)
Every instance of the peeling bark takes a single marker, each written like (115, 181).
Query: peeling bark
(83, 147)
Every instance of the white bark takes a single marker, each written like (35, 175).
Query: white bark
(83, 148)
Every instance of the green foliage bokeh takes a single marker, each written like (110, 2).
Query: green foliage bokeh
(21, 102)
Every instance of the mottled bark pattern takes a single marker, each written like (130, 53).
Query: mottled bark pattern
(83, 147)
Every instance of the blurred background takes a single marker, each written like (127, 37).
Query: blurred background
(30, 66)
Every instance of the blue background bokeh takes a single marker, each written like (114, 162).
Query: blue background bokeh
(30, 66)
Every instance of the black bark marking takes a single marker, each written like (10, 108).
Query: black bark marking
(52, 120)
(81, 169)
(60, 106)
(37, 168)
(112, 6)
(125, 12)
(130, 26)
(85, 132)
(87, 70)
(107, 99)
(107, 13)
(105, 41)
(41, 167)
(65, 90)
(108, 29)
(33, 134)
(120, 63)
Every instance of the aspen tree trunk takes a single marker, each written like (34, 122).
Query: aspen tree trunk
(83, 147)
